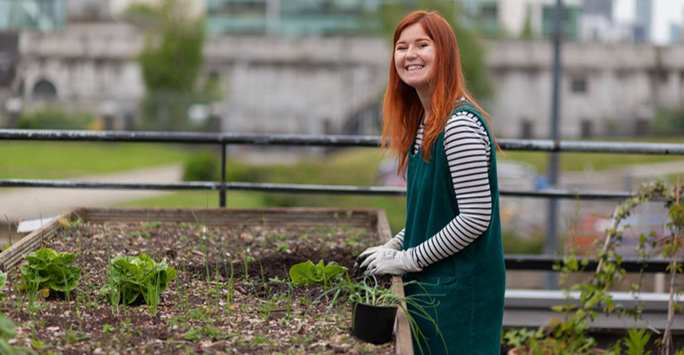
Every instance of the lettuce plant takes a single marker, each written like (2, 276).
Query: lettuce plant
(310, 273)
(49, 269)
(132, 278)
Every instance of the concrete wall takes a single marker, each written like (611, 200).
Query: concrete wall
(624, 84)
(313, 85)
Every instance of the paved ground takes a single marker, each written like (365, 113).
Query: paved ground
(24, 203)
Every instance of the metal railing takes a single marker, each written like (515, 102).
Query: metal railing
(513, 262)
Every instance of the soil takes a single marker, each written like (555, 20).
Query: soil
(231, 293)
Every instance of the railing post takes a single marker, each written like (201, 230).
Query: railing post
(222, 189)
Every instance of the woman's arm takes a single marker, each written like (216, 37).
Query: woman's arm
(468, 152)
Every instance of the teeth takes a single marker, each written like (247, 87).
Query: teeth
(414, 67)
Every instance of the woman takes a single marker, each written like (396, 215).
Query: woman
(451, 243)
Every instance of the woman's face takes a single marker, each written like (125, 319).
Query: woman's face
(414, 57)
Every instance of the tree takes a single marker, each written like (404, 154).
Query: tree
(472, 51)
(527, 31)
(170, 60)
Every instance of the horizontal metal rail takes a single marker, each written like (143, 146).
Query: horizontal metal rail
(543, 145)
(293, 188)
(546, 263)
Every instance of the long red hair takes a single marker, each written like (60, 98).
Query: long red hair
(402, 109)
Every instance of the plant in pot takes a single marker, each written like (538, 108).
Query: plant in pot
(374, 300)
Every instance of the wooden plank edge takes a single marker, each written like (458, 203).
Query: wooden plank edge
(30, 243)
(402, 328)
(360, 216)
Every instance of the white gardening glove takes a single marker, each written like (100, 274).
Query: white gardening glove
(393, 244)
(385, 261)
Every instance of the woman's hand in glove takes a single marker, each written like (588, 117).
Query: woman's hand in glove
(385, 261)
(393, 244)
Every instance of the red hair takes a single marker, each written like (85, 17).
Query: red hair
(402, 109)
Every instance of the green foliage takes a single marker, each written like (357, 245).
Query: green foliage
(202, 166)
(310, 273)
(527, 32)
(516, 244)
(52, 118)
(6, 333)
(134, 277)
(570, 334)
(636, 342)
(668, 122)
(171, 60)
(3, 281)
(49, 269)
(171, 57)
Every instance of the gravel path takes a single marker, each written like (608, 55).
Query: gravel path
(25, 203)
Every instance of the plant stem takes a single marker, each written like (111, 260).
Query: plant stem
(667, 336)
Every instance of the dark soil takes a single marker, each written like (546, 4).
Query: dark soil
(231, 293)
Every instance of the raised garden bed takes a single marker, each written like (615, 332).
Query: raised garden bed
(231, 293)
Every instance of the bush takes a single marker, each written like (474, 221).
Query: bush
(668, 122)
(51, 118)
(516, 244)
(202, 166)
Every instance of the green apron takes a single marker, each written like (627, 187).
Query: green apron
(468, 286)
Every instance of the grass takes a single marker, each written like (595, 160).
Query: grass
(594, 161)
(59, 160)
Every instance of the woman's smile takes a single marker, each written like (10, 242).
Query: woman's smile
(414, 56)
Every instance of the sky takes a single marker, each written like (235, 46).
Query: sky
(664, 13)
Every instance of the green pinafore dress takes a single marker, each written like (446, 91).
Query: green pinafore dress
(469, 286)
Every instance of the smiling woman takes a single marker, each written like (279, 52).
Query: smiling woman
(451, 242)
(414, 55)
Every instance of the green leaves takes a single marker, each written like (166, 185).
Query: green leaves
(132, 278)
(49, 269)
(308, 273)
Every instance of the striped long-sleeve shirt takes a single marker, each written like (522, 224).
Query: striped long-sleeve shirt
(468, 152)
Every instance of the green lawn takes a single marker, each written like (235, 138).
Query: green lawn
(59, 160)
(594, 161)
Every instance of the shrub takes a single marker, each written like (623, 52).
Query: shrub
(51, 118)
(202, 166)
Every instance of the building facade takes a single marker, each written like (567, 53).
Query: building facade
(327, 84)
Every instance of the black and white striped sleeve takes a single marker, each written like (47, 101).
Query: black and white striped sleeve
(468, 152)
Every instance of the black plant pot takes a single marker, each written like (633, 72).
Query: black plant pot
(373, 324)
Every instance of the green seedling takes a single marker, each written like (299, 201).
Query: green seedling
(132, 278)
(49, 270)
(310, 273)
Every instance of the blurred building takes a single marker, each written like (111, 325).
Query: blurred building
(16, 15)
(292, 17)
(285, 79)
(643, 25)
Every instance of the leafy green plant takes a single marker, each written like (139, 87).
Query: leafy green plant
(48, 269)
(134, 277)
(570, 335)
(6, 333)
(310, 273)
(3, 282)
(636, 342)
(370, 291)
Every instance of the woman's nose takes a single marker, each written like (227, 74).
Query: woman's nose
(410, 52)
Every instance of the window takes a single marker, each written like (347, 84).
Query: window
(578, 85)
(526, 129)
(586, 128)
(44, 89)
